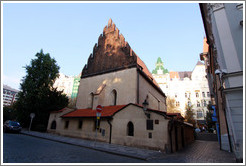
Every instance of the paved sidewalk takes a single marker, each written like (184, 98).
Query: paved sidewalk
(143, 154)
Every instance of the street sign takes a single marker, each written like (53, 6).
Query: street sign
(32, 115)
(99, 108)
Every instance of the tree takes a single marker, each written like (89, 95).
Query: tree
(171, 106)
(37, 94)
(189, 114)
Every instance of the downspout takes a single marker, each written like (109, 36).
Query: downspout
(137, 87)
(110, 130)
(170, 127)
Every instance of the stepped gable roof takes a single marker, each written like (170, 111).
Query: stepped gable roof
(112, 47)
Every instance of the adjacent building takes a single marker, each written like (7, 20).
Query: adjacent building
(186, 87)
(9, 95)
(68, 84)
(133, 104)
(223, 23)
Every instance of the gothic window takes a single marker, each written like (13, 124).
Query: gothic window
(130, 129)
(53, 125)
(90, 100)
(208, 94)
(113, 97)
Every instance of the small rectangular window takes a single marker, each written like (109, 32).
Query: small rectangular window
(150, 135)
(150, 125)
(80, 124)
(66, 124)
(156, 121)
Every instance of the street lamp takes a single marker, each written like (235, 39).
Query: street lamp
(145, 107)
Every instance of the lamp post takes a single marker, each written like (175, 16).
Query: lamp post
(145, 107)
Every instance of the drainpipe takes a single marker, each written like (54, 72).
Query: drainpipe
(110, 132)
(137, 87)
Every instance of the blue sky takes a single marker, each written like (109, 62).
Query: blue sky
(68, 31)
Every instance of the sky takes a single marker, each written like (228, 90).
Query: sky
(69, 31)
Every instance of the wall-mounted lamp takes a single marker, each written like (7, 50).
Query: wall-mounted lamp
(145, 107)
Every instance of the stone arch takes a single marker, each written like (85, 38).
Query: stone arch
(130, 129)
(113, 97)
(53, 125)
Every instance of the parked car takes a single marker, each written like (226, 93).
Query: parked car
(197, 130)
(11, 126)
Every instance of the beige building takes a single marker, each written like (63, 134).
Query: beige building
(116, 78)
(186, 87)
(64, 83)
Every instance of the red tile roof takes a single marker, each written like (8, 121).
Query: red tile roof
(107, 112)
(178, 115)
(174, 74)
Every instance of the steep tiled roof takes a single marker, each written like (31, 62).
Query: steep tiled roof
(184, 74)
(107, 112)
(146, 71)
(178, 115)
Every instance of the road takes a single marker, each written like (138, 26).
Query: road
(18, 148)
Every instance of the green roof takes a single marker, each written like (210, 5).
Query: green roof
(159, 66)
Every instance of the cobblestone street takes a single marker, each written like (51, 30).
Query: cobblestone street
(199, 152)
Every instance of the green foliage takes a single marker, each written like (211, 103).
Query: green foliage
(9, 113)
(37, 94)
(189, 115)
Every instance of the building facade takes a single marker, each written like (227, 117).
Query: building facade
(134, 106)
(187, 88)
(68, 84)
(223, 23)
(9, 95)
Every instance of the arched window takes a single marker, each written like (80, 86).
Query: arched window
(90, 100)
(113, 97)
(130, 129)
(53, 125)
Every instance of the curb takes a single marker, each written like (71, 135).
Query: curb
(89, 147)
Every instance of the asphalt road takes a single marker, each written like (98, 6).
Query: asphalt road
(18, 148)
